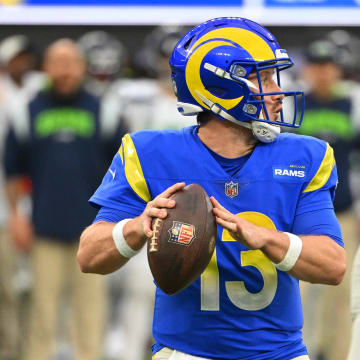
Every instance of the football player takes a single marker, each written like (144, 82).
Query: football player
(272, 195)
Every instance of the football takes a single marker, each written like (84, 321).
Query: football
(183, 243)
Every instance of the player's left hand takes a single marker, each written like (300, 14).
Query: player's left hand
(252, 236)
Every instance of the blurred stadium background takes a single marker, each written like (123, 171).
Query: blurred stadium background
(124, 40)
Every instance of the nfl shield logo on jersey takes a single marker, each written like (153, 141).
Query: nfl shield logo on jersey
(182, 233)
(231, 189)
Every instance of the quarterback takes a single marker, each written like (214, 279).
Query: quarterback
(272, 195)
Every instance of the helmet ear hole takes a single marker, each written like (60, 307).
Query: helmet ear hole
(217, 91)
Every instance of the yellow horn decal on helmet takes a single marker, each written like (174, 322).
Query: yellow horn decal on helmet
(255, 45)
(193, 79)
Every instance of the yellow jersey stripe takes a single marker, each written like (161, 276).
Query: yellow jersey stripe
(324, 171)
(133, 170)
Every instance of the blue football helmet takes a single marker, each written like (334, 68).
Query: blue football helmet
(210, 66)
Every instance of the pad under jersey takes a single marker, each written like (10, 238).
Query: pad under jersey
(241, 307)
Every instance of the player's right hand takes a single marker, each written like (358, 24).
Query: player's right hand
(157, 208)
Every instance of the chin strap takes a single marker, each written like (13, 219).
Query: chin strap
(218, 110)
(263, 131)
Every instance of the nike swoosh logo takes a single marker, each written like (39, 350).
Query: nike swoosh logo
(112, 173)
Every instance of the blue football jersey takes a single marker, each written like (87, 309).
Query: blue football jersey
(241, 307)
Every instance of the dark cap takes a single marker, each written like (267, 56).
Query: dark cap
(322, 51)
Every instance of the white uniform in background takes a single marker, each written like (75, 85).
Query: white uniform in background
(144, 104)
(15, 277)
(355, 308)
(11, 95)
(319, 301)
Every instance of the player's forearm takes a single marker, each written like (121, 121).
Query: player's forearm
(97, 251)
(321, 260)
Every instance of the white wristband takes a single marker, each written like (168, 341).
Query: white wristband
(292, 254)
(124, 249)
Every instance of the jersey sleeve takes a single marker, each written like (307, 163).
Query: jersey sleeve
(319, 191)
(124, 186)
(111, 215)
(319, 222)
(315, 211)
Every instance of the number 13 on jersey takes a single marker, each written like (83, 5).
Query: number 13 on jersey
(236, 290)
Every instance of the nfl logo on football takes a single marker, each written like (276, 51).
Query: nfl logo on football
(231, 189)
(181, 233)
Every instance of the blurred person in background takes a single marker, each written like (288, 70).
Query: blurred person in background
(18, 61)
(145, 102)
(330, 115)
(148, 101)
(350, 45)
(17, 80)
(354, 349)
(106, 58)
(61, 140)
